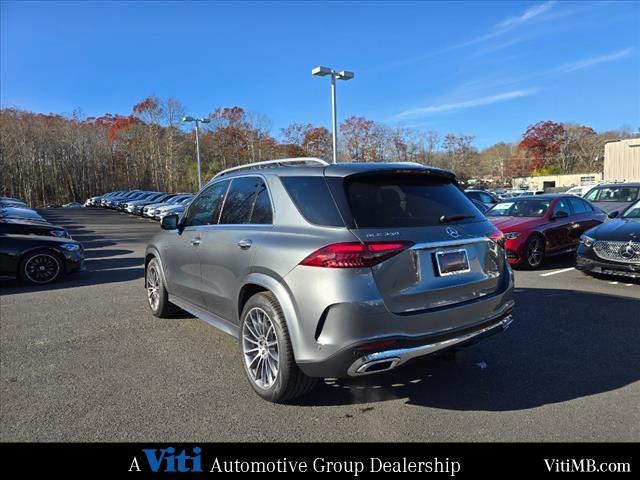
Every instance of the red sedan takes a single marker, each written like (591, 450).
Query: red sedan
(541, 226)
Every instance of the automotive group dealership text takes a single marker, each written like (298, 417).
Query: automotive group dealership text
(167, 461)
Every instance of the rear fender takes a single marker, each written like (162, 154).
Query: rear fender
(284, 299)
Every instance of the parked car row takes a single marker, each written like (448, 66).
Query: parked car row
(149, 204)
(31, 248)
(541, 226)
(514, 192)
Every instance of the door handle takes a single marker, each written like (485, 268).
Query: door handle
(245, 244)
(195, 241)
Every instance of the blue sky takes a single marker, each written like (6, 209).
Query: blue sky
(486, 69)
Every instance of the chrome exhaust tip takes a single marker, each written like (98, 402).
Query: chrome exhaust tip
(377, 366)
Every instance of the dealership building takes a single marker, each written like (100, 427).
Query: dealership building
(547, 182)
(621, 164)
(622, 161)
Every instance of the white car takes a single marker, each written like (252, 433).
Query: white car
(162, 212)
(580, 190)
(150, 211)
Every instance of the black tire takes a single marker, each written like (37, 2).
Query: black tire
(160, 307)
(41, 267)
(531, 260)
(289, 381)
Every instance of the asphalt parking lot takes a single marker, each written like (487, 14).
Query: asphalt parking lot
(84, 360)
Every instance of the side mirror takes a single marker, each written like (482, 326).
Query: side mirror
(613, 214)
(170, 222)
(560, 214)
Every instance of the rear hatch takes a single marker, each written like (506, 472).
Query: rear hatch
(449, 257)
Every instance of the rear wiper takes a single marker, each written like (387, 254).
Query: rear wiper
(454, 218)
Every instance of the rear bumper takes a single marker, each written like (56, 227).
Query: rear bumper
(390, 359)
(349, 336)
(354, 361)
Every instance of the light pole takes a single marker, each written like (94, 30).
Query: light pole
(342, 75)
(197, 122)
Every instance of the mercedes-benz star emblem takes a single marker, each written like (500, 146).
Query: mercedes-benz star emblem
(452, 232)
(627, 251)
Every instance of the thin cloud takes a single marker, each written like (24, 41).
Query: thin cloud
(590, 62)
(475, 102)
(542, 75)
(558, 71)
(499, 29)
(527, 15)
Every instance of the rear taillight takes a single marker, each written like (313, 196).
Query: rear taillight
(497, 237)
(354, 254)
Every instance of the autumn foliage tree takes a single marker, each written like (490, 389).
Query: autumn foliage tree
(541, 143)
(49, 158)
(308, 140)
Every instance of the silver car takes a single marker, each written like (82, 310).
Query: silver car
(332, 270)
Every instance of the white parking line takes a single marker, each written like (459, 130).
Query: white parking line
(562, 270)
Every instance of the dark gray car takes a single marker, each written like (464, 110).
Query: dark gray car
(613, 197)
(332, 270)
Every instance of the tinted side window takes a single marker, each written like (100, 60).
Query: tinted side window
(562, 205)
(579, 206)
(240, 200)
(205, 209)
(593, 194)
(262, 211)
(613, 194)
(312, 199)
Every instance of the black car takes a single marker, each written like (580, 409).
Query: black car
(612, 248)
(482, 196)
(20, 226)
(24, 213)
(38, 259)
(479, 205)
(12, 204)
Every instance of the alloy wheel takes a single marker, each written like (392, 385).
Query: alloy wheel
(535, 252)
(153, 287)
(260, 348)
(42, 268)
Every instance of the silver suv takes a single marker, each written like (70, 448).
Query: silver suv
(332, 270)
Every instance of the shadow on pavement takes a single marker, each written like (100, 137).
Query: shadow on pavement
(106, 252)
(565, 260)
(80, 279)
(101, 266)
(588, 344)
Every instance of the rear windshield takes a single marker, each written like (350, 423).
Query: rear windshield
(312, 199)
(382, 201)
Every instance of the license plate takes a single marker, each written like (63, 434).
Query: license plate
(452, 262)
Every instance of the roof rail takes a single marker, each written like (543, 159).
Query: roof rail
(273, 163)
